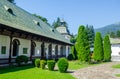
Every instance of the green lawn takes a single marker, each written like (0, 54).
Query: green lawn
(118, 75)
(74, 65)
(116, 66)
(29, 72)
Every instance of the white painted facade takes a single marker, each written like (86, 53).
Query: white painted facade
(23, 44)
(63, 31)
(115, 52)
(59, 49)
(38, 48)
(46, 50)
(4, 41)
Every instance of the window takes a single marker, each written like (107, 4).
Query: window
(9, 10)
(52, 29)
(25, 50)
(36, 22)
(3, 50)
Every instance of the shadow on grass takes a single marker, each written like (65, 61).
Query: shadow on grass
(70, 71)
(14, 68)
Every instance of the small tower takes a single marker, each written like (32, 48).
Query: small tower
(63, 29)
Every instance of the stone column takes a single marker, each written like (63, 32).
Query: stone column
(46, 50)
(59, 50)
(67, 52)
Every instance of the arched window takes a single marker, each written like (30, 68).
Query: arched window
(56, 51)
(15, 48)
(42, 50)
(50, 51)
(33, 45)
(9, 10)
(36, 22)
(61, 50)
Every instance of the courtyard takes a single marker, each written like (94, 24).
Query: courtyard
(75, 71)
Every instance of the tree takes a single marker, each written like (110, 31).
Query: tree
(56, 23)
(91, 35)
(42, 18)
(98, 47)
(60, 22)
(107, 48)
(74, 53)
(112, 34)
(82, 45)
(12, 1)
(73, 39)
(118, 33)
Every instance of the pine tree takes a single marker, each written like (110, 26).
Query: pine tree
(107, 48)
(91, 35)
(42, 18)
(74, 53)
(98, 47)
(12, 1)
(118, 33)
(82, 45)
(56, 23)
(112, 35)
(73, 39)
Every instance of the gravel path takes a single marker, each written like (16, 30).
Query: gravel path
(103, 71)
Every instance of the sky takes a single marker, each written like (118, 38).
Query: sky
(98, 13)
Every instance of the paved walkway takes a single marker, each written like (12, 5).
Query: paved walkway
(103, 71)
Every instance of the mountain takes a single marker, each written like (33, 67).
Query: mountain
(109, 28)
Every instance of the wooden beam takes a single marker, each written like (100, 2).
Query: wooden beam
(10, 49)
(6, 32)
(16, 34)
(23, 36)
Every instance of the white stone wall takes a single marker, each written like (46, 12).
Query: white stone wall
(4, 41)
(61, 29)
(24, 43)
(115, 52)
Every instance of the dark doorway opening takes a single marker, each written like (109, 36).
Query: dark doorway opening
(56, 51)
(42, 51)
(61, 51)
(16, 44)
(33, 45)
(50, 51)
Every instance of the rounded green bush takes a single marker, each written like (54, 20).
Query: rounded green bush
(21, 59)
(70, 57)
(63, 64)
(33, 62)
(42, 64)
(37, 62)
(51, 64)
